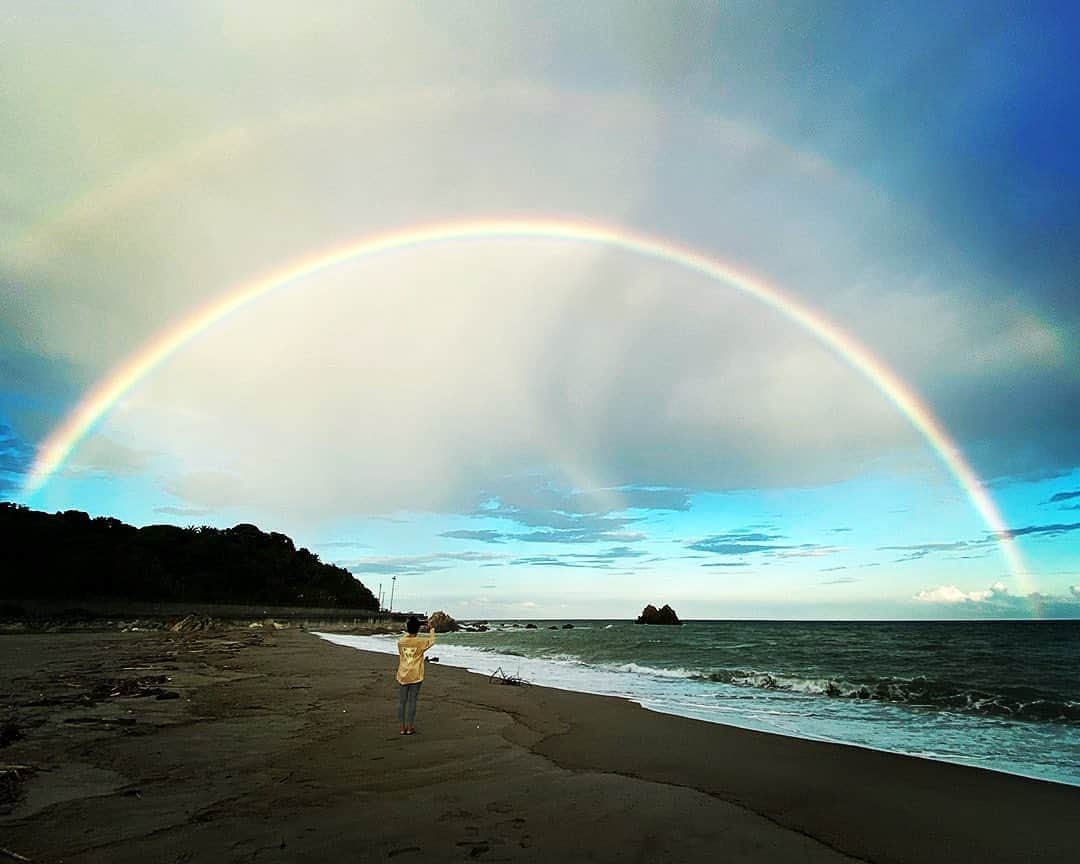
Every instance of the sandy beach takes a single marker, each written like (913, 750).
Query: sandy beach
(245, 745)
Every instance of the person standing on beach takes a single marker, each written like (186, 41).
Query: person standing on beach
(410, 673)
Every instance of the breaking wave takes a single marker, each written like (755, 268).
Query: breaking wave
(920, 692)
(655, 671)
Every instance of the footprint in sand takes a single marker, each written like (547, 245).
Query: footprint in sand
(456, 814)
(477, 847)
(517, 825)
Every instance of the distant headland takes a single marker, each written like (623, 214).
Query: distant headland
(72, 556)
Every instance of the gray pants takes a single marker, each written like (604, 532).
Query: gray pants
(406, 706)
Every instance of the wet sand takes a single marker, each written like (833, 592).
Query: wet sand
(278, 746)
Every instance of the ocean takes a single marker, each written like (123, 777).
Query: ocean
(1002, 695)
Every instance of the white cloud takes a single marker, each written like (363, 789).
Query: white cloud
(952, 594)
(998, 601)
(413, 565)
(812, 552)
(99, 453)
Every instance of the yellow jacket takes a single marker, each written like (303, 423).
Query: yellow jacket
(411, 657)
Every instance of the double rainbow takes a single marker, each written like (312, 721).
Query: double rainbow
(63, 440)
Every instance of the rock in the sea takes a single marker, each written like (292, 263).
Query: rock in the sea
(553, 627)
(530, 626)
(567, 626)
(664, 615)
(442, 623)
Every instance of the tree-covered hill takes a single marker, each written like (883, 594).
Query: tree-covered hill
(71, 556)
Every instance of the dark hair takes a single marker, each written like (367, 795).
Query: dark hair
(413, 625)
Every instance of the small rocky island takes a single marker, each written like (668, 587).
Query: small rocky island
(442, 623)
(664, 615)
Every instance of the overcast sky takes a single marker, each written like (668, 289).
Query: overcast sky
(554, 428)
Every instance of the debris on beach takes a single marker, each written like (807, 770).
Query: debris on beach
(195, 624)
(11, 779)
(269, 624)
(9, 731)
(101, 722)
(136, 688)
(500, 677)
(82, 693)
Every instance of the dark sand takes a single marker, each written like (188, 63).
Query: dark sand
(282, 747)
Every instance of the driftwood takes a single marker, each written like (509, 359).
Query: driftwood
(500, 677)
(11, 777)
(14, 856)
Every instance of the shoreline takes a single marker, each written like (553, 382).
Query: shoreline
(283, 746)
(575, 677)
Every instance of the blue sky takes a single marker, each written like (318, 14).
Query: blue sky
(554, 429)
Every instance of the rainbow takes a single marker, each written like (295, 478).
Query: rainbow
(67, 435)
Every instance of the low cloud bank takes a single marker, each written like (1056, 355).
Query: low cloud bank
(998, 602)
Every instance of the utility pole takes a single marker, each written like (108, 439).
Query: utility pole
(380, 596)
(393, 584)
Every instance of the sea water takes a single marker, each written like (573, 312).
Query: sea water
(1001, 695)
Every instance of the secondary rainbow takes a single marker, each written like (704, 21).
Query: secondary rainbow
(67, 435)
